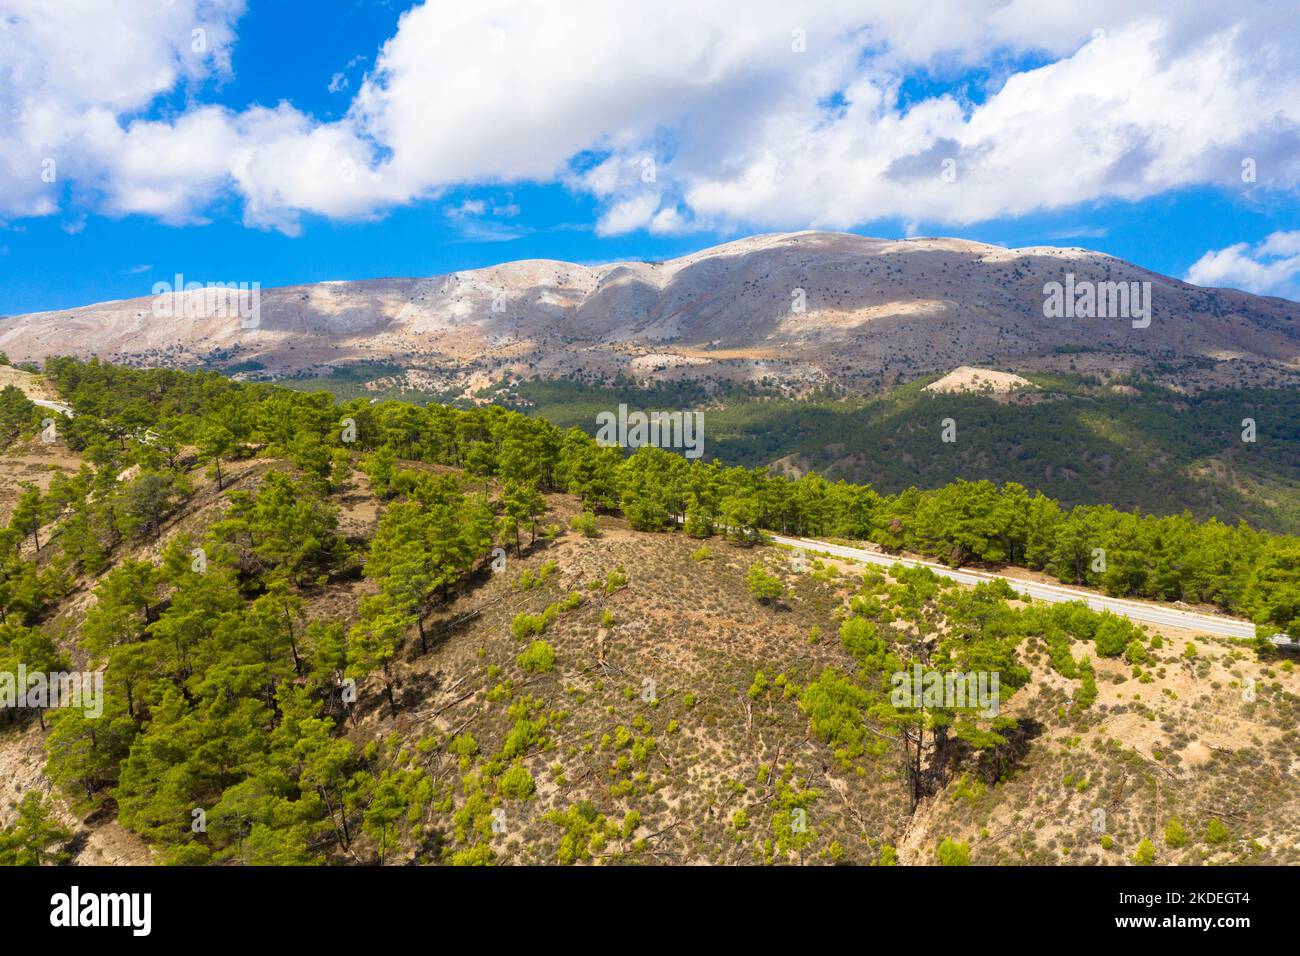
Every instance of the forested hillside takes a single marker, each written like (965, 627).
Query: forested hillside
(379, 632)
(1080, 440)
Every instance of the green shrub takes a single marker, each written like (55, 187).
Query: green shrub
(766, 587)
(1145, 854)
(1087, 685)
(953, 852)
(526, 625)
(1136, 652)
(478, 855)
(1175, 835)
(463, 745)
(586, 832)
(1216, 833)
(537, 658)
(516, 783)
(1113, 635)
(585, 524)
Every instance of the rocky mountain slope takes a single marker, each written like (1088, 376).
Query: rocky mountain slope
(797, 310)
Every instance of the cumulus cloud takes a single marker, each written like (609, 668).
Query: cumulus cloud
(676, 115)
(72, 72)
(1271, 267)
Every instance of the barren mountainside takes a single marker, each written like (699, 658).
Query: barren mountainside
(795, 309)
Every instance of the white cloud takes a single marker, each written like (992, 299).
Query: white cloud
(472, 218)
(674, 115)
(1272, 267)
(71, 71)
(470, 207)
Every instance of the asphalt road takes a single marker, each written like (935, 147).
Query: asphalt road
(1133, 610)
(53, 406)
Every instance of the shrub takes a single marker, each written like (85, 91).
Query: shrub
(516, 783)
(463, 745)
(529, 580)
(1058, 652)
(1145, 854)
(478, 855)
(1136, 652)
(1087, 685)
(585, 524)
(1175, 835)
(526, 625)
(953, 852)
(1216, 833)
(631, 820)
(766, 587)
(835, 706)
(1113, 635)
(968, 788)
(538, 658)
(586, 832)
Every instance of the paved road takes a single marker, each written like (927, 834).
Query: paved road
(53, 406)
(1133, 610)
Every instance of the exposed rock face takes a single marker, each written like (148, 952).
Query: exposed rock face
(800, 309)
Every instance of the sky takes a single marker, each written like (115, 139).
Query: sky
(285, 142)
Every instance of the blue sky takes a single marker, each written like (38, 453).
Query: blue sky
(344, 140)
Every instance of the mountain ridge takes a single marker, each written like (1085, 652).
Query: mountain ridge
(799, 310)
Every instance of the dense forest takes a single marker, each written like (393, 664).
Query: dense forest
(221, 694)
(1124, 442)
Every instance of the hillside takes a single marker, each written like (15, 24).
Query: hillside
(1082, 441)
(734, 762)
(354, 675)
(797, 311)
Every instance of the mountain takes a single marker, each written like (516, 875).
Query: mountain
(795, 310)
